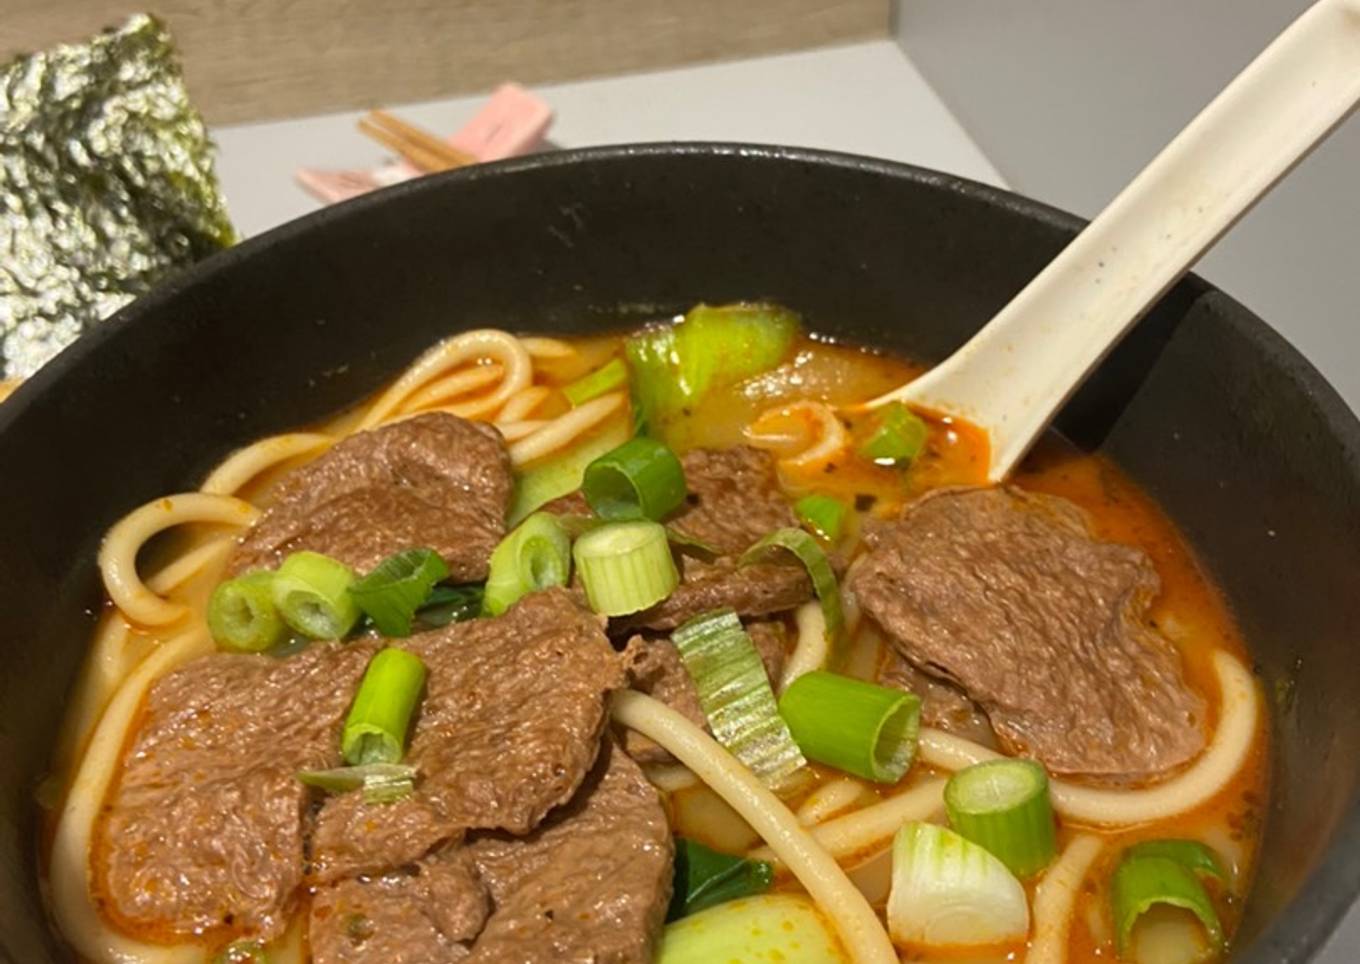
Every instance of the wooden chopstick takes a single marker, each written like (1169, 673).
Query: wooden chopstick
(422, 149)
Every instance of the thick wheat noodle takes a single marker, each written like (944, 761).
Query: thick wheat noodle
(522, 405)
(811, 650)
(189, 564)
(514, 431)
(830, 437)
(118, 554)
(550, 348)
(1055, 898)
(244, 464)
(461, 382)
(860, 930)
(1237, 722)
(863, 830)
(499, 346)
(565, 429)
(77, 915)
(829, 799)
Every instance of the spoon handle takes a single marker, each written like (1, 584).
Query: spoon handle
(1015, 373)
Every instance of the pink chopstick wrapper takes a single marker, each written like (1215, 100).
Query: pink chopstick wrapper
(512, 122)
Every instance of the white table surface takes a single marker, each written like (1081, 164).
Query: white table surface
(862, 98)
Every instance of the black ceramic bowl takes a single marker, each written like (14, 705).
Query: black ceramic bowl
(1243, 443)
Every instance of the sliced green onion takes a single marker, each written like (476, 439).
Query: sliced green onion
(641, 479)
(561, 474)
(312, 594)
(771, 927)
(824, 515)
(899, 435)
(242, 952)
(603, 379)
(949, 892)
(1141, 882)
(391, 593)
(864, 729)
(380, 782)
(690, 545)
(242, 616)
(1191, 854)
(805, 548)
(625, 567)
(451, 604)
(535, 556)
(735, 695)
(1003, 805)
(375, 730)
(704, 878)
(657, 393)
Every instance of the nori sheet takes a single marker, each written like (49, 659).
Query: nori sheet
(106, 186)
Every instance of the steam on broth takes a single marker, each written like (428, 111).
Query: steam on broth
(231, 782)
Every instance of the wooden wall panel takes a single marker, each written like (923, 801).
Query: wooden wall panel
(254, 59)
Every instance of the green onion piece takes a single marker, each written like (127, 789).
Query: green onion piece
(824, 515)
(947, 892)
(380, 782)
(899, 435)
(603, 379)
(561, 474)
(451, 604)
(535, 556)
(625, 567)
(657, 393)
(242, 952)
(736, 697)
(312, 594)
(1141, 882)
(1191, 854)
(375, 730)
(805, 548)
(704, 878)
(769, 927)
(641, 479)
(391, 593)
(242, 616)
(692, 546)
(1003, 805)
(864, 729)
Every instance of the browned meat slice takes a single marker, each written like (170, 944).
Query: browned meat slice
(509, 726)
(433, 480)
(424, 913)
(654, 668)
(1006, 595)
(943, 705)
(734, 500)
(204, 828)
(591, 884)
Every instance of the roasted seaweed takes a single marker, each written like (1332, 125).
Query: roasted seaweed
(106, 186)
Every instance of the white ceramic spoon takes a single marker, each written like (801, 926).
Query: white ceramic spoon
(1015, 373)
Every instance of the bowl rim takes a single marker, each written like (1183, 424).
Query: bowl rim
(1310, 919)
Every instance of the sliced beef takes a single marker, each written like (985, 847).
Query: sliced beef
(654, 668)
(1006, 595)
(734, 500)
(424, 913)
(204, 828)
(943, 705)
(509, 726)
(433, 480)
(590, 885)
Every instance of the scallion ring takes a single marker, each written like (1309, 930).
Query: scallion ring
(375, 730)
(805, 549)
(899, 436)
(824, 515)
(312, 594)
(625, 567)
(391, 593)
(242, 616)
(1003, 805)
(535, 556)
(380, 782)
(1140, 882)
(866, 730)
(641, 479)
